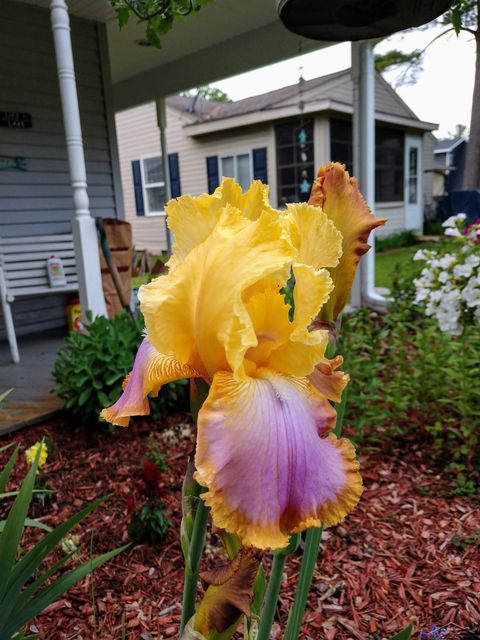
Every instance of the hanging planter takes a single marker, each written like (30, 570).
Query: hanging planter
(346, 20)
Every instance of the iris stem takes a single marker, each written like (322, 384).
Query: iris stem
(274, 584)
(192, 568)
(310, 554)
(309, 560)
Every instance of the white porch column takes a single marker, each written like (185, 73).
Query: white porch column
(83, 225)
(162, 125)
(363, 76)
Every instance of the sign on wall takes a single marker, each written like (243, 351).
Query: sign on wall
(15, 120)
(10, 162)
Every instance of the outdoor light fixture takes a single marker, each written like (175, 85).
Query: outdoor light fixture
(345, 20)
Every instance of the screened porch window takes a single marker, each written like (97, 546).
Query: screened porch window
(295, 167)
(389, 157)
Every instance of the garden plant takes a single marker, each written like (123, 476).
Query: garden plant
(258, 342)
(90, 367)
(28, 584)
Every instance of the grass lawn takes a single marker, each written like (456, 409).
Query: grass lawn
(392, 260)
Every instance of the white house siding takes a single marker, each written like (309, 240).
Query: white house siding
(395, 212)
(429, 142)
(39, 200)
(138, 136)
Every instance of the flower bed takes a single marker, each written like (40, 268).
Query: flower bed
(408, 552)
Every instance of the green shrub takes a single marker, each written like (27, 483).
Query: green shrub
(406, 238)
(91, 367)
(407, 376)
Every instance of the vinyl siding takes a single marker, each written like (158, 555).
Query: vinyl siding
(38, 201)
(395, 212)
(138, 136)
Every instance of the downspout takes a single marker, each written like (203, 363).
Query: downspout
(363, 76)
(83, 225)
(162, 125)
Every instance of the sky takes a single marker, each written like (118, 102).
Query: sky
(442, 93)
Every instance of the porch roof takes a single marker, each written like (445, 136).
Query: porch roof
(226, 38)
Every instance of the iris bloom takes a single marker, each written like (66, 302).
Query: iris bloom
(264, 448)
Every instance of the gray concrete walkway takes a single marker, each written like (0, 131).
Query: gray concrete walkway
(31, 399)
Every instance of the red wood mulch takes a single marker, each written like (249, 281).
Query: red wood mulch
(393, 560)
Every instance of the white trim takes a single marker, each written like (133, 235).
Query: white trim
(285, 111)
(145, 186)
(83, 226)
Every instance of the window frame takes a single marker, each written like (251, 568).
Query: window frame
(235, 165)
(146, 186)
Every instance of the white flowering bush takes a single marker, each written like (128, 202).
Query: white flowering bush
(449, 285)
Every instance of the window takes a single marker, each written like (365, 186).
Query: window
(238, 167)
(153, 185)
(389, 165)
(295, 168)
(413, 175)
(389, 158)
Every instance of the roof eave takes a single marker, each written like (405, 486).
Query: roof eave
(266, 116)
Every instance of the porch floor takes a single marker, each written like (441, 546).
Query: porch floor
(31, 400)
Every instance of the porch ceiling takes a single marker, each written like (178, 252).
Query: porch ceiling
(227, 37)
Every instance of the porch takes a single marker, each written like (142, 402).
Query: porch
(31, 400)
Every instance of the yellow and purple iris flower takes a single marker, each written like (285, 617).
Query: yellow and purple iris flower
(265, 451)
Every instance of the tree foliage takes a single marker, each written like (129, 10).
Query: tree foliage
(158, 15)
(213, 94)
(410, 63)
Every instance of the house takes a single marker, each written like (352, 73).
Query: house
(280, 137)
(449, 155)
(63, 73)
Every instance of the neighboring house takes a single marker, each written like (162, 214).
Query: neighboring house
(282, 138)
(449, 165)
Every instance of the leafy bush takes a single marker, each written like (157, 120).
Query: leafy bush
(406, 375)
(90, 369)
(149, 523)
(25, 590)
(405, 238)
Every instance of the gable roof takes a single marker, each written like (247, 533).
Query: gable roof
(448, 145)
(333, 91)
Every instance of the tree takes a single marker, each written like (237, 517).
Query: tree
(213, 94)
(463, 16)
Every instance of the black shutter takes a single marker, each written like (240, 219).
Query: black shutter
(212, 173)
(137, 186)
(174, 169)
(260, 165)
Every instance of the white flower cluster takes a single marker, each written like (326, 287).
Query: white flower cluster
(449, 284)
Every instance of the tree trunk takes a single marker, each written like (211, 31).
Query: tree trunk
(471, 175)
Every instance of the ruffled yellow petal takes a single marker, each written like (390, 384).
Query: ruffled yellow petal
(304, 349)
(197, 312)
(267, 469)
(339, 197)
(150, 371)
(192, 220)
(317, 239)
